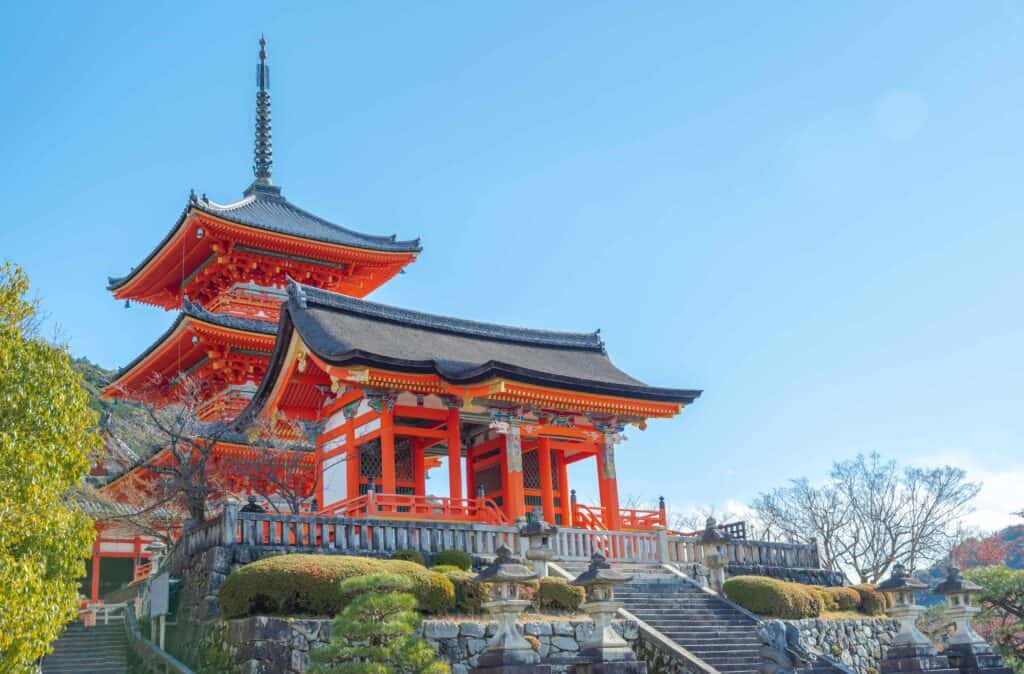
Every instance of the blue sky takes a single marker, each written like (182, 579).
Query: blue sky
(810, 210)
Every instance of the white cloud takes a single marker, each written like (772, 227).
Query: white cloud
(1002, 490)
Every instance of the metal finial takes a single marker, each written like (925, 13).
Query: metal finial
(263, 161)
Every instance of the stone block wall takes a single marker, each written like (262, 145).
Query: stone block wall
(265, 645)
(858, 644)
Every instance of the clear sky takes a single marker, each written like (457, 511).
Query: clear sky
(812, 211)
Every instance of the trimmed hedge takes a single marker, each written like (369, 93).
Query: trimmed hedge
(872, 601)
(470, 594)
(311, 585)
(452, 558)
(557, 593)
(843, 598)
(445, 568)
(409, 556)
(772, 597)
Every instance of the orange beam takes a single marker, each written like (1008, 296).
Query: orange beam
(454, 432)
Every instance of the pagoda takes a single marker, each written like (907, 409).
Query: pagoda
(274, 331)
(224, 267)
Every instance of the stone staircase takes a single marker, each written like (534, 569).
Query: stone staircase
(101, 649)
(705, 625)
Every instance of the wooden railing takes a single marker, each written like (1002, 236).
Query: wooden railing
(408, 506)
(631, 519)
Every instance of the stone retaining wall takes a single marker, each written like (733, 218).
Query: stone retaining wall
(265, 645)
(858, 644)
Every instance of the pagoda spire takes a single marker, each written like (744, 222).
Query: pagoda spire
(263, 158)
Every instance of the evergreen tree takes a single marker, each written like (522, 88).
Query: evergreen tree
(47, 432)
(376, 631)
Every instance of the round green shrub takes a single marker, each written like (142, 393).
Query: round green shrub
(872, 601)
(310, 585)
(470, 594)
(772, 597)
(444, 568)
(844, 598)
(558, 594)
(409, 556)
(452, 558)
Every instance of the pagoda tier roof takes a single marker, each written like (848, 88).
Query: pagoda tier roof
(276, 227)
(345, 332)
(175, 343)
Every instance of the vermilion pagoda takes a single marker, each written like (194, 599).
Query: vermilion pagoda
(273, 327)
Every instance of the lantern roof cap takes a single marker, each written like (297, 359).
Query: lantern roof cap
(506, 569)
(536, 526)
(600, 572)
(955, 583)
(712, 534)
(901, 581)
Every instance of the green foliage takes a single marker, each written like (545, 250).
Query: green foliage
(452, 558)
(470, 594)
(872, 602)
(375, 632)
(444, 568)
(558, 594)
(47, 433)
(309, 585)
(409, 555)
(1002, 617)
(772, 597)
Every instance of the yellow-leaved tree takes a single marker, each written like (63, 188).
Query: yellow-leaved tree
(47, 432)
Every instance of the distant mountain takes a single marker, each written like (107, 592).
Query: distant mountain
(122, 425)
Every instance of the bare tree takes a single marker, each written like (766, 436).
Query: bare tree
(278, 467)
(871, 514)
(184, 470)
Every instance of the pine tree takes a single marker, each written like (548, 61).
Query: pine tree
(376, 631)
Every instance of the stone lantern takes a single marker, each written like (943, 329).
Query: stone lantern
(712, 543)
(539, 534)
(507, 652)
(966, 649)
(605, 645)
(911, 650)
(156, 552)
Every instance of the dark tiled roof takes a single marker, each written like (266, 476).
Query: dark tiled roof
(197, 312)
(265, 208)
(346, 331)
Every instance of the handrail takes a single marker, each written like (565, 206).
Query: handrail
(630, 519)
(154, 660)
(412, 506)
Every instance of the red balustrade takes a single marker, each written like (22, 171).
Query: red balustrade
(409, 506)
(633, 519)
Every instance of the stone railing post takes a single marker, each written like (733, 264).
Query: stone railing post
(663, 557)
(229, 522)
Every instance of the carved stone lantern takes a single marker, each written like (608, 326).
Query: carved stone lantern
(911, 650)
(712, 545)
(507, 651)
(599, 581)
(156, 551)
(966, 649)
(539, 534)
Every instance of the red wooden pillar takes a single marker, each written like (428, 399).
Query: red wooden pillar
(419, 469)
(455, 454)
(547, 490)
(563, 488)
(94, 591)
(512, 462)
(608, 486)
(387, 448)
(470, 474)
(318, 491)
